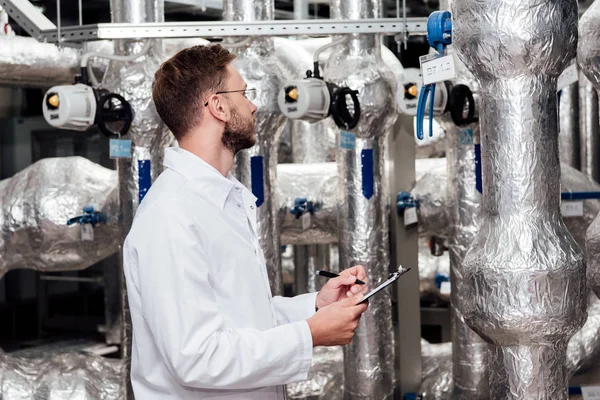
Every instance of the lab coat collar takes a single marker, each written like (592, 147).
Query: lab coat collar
(216, 186)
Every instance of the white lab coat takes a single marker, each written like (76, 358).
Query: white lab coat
(205, 325)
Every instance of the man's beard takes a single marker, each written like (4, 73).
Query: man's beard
(238, 134)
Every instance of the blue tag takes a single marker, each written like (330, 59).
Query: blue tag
(120, 148)
(257, 178)
(478, 176)
(347, 140)
(368, 183)
(144, 178)
(466, 136)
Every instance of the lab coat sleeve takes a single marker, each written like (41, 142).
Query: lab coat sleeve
(294, 309)
(180, 307)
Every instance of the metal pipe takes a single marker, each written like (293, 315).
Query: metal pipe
(469, 356)
(524, 273)
(301, 9)
(568, 136)
(36, 204)
(261, 70)
(363, 223)
(589, 128)
(310, 143)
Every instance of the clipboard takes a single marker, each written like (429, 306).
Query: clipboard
(393, 278)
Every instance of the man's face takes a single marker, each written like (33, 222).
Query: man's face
(239, 131)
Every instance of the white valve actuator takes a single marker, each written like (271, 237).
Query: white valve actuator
(307, 99)
(70, 107)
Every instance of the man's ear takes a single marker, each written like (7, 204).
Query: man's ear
(218, 108)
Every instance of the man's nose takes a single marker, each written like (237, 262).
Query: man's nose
(253, 107)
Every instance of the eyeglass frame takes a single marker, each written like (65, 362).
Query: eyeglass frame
(253, 90)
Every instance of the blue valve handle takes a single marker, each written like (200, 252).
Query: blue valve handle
(421, 109)
(439, 35)
(89, 217)
(404, 200)
(301, 206)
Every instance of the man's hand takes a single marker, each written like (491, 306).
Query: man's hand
(343, 286)
(334, 324)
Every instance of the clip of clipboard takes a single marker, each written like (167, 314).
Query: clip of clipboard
(393, 278)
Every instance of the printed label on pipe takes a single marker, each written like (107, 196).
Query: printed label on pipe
(466, 136)
(119, 148)
(257, 179)
(347, 140)
(438, 69)
(571, 208)
(590, 392)
(367, 173)
(144, 178)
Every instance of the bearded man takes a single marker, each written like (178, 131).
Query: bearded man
(205, 324)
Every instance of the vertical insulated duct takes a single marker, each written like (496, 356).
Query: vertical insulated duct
(149, 135)
(469, 355)
(469, 351)
(589, 129)
(524, 273)
(311, 143)
(588, 57)
(256, 168)
(363, 215)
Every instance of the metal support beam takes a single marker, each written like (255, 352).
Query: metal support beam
(218, 29)
(404, 251)
(28, 17)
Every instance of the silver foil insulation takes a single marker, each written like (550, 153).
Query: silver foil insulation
(363, 216)
(36, 204)
(524, 273)
(60, 376)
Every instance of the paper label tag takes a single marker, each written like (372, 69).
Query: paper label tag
(87, 232)
(445, 288)
(438, 69)
(120, 148)
(410, 216)
(568, 77)
(306, 221)
(590, 392)
(466, 136)
(347, 140)
(572, 208)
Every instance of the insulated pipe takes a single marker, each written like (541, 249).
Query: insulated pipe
(25, 62)
(470, 351)
(257, 167)
(148, 133)
(589, 128)
(524, 273)
(469, 356)
(363, 216)
(568, 136)
(587, 57)
(310, 143)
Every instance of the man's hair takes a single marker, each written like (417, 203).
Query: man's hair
(182, 84)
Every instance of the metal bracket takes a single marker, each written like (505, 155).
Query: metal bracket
(28, 17)
(220, 29)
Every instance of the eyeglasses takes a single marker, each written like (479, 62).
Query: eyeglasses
(249, 93)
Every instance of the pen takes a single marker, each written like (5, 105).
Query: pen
(328, 274)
